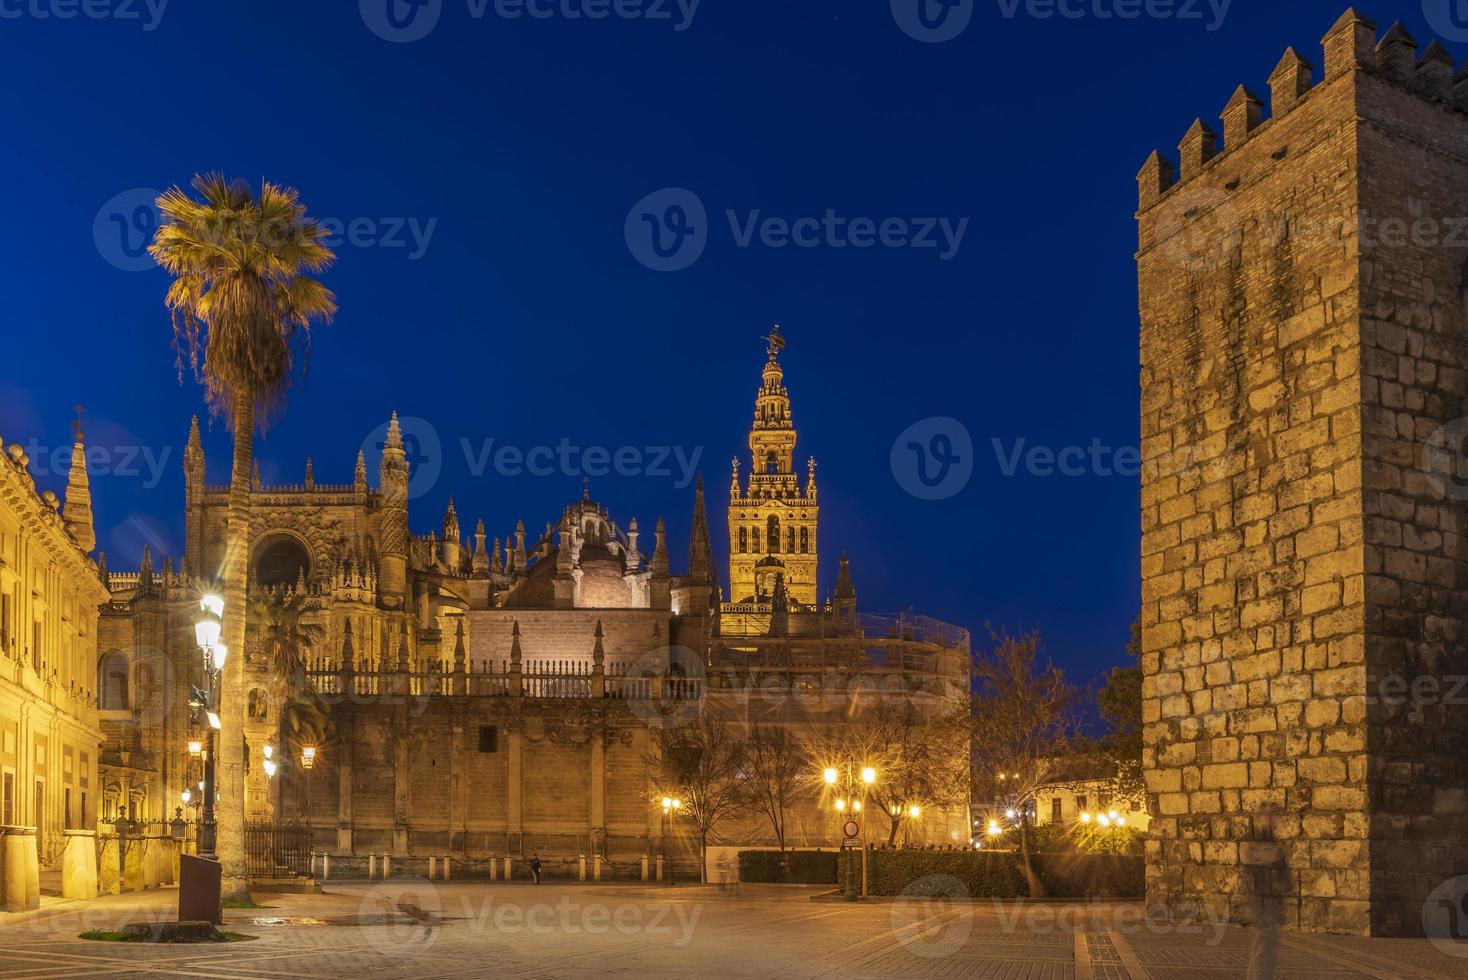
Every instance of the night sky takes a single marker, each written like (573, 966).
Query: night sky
(487, 180)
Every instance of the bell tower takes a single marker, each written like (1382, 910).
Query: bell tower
(772, 519)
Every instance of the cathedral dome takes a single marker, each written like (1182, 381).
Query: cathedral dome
(602, 583)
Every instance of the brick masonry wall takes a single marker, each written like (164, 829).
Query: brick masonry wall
(1294, 552)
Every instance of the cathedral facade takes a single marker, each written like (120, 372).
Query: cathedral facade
(481, 696)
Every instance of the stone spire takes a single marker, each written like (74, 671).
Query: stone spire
(459, 649)
(780, 608)
(194, 457)
(700, 548)
(359, 477)
(845, 588)
(660, 553)
(404, 654)
(451, 538)
(392, 573)
(77, 513)
(349, 655)
(481, 555)
(310, 474)
(145, 570)
(102, 572)
(598, 651)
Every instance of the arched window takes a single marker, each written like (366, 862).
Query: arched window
(281, 560)
(256, 706)
(112, 673)
(804, 540)
(772, 462)
(743, 540)
(772, 534)
(754, 539)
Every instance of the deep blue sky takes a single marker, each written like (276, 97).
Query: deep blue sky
(527, 318)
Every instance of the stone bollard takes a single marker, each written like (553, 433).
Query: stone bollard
(79, 865)
(596, 868)
(371, 867)
(509, 868)
(168, 862)
(152, 872)
(387, 866)
(494, 868)
(109, 874)
(660, 867)
(432, 867)
(326, 867)
(132, 866)
(18, 865)
(644, 867)
(448, 865)
(581, 867)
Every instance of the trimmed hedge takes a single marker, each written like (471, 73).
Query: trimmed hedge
(788, 867)
(1000, 874)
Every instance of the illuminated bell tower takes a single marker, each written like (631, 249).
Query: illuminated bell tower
(772, 520)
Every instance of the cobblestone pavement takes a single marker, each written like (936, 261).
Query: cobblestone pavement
(417, 929)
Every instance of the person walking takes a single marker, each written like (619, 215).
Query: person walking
(535, 867)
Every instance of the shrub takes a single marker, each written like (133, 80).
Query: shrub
(1000, 874)
(788, 867)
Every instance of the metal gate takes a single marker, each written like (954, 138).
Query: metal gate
(277, 850)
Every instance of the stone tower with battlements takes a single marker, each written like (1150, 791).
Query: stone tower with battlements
(772, 519)
(1304, 342)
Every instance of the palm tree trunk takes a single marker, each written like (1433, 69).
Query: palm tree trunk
(231, 809)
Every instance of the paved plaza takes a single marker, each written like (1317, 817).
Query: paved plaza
(417, 929)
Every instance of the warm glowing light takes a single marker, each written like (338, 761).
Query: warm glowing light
(269, 769)
(1121, 821)
(213, 720)
(841, 806)
(1113, 815)
(869, 775)
(915, 811)
(219, 651)
(830, 776)
(196, 748)
(667, 803)
(1085, 818)
(1103, 820)
(994, 829)
(1009, 814)
(856, 806)
(186, 796)
(677, 804)
(269, 751)
(212, 604)
(308, 757)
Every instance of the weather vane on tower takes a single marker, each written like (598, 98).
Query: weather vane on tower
(776, 341)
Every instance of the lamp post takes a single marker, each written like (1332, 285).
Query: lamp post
(848, 780)
(206, 634)
(670, 807)
(308, 761)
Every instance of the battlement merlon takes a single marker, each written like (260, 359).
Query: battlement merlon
(1350, 46)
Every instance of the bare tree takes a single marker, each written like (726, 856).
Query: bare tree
(777, 775)
(1023, 720)
(703, 767)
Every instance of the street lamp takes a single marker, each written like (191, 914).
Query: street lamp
(308, 760)
(207, 630)
(671, 805)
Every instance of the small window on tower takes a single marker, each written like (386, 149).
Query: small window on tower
(489, 738)
(805, 540)
(743, 539)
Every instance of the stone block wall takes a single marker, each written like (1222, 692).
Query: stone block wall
(1295, 550)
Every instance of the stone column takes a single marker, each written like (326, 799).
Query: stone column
(514, 804)
(79, 865)
(20, 886)
(344, 793)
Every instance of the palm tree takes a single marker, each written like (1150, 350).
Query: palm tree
(240, 297)
(279, 616)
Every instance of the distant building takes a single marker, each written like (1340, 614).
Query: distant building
(50, 591)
